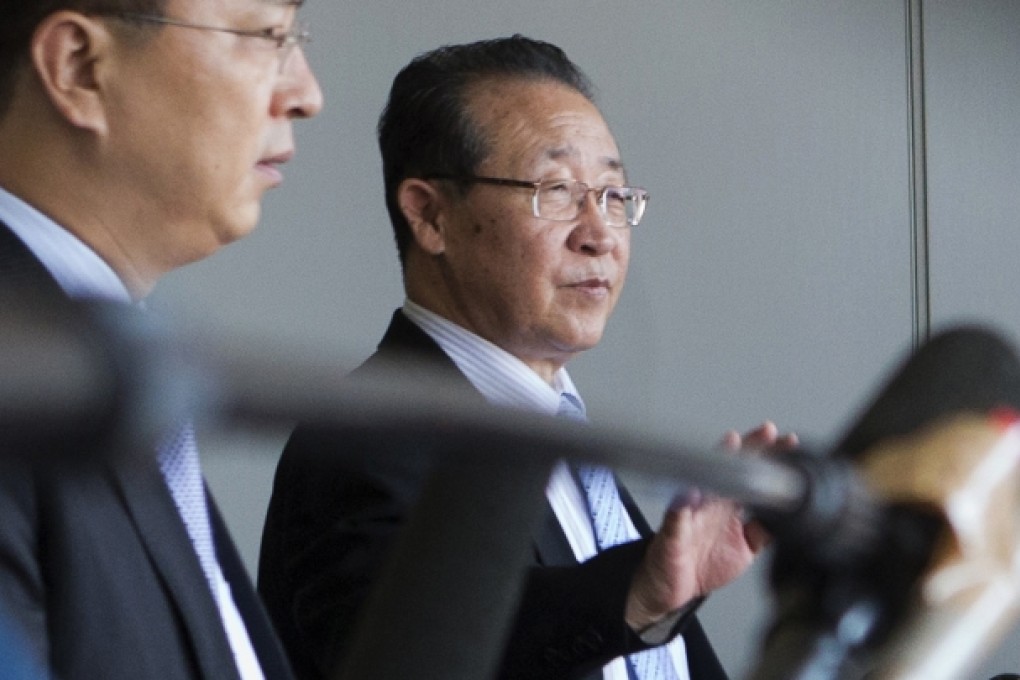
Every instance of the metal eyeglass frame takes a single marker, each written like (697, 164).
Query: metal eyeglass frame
(298, 35)
(636, 194)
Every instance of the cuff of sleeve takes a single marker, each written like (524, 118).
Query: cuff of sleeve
(667, 628)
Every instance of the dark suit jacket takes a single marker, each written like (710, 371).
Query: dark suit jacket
(97, 571)
(329, 526)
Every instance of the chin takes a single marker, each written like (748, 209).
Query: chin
(239, 233)
(239, 226)
(581, 342)
(590, 334)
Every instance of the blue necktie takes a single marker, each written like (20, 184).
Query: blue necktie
(608, 519)
(178, 461)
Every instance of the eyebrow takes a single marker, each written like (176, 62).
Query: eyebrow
(295, 3)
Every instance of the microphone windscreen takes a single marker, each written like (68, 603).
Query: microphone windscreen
(967, 369)
(862, 572)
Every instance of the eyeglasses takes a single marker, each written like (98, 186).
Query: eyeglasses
(285, 39)
(562, 200)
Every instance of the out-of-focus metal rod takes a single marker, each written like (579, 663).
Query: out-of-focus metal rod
(392, 406)
(117, 368)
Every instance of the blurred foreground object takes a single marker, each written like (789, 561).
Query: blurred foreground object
(907, 536)
(451, 571)
(925, 580)
(89, 376)
(970, 594)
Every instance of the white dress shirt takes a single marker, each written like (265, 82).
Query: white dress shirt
(505, 380)
(81, 273)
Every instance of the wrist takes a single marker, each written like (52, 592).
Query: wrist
(664, 627)
(650, 600)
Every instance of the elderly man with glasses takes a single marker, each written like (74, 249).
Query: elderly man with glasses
(136, 136)
(513, 217)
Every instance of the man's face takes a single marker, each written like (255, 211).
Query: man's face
(200, 122)
(540, 289)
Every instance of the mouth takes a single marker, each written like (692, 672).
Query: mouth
(270, 166)
(595, 287)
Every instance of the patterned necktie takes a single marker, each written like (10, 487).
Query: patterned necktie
(178, 461)
(609, 523)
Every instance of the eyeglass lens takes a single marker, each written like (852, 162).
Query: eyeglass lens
(296, 36)
(564, 201)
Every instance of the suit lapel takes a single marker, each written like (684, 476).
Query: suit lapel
(551, 545)
(402, 338)
(19, 268)
(405, 339)
(263, 638)
(151, 507)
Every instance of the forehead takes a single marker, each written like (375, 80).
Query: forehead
(230, 5)
(529, 122)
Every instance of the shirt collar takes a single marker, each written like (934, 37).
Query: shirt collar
(502, 378)
(78, 270)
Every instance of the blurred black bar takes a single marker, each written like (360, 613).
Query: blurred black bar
(448, 594)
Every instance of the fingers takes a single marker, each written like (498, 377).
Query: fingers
(730, 440)
(756, 536)
(687, 497)
(700, 514)
(788, 441)
(762, 436)
(765, 436)
(693, 512)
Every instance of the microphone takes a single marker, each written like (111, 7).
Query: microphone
(895, 491)
(970, 591)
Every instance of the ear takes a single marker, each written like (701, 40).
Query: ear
(66, 49)
(422, 205)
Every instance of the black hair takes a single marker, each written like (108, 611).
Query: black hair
(425, 127)
(22, 17)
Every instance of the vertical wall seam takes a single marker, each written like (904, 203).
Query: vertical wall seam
(919, 261)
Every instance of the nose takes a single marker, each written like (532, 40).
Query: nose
(297, 90)
(591, 235)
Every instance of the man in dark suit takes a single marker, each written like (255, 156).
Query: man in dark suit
(135, 137)
(512, 214)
